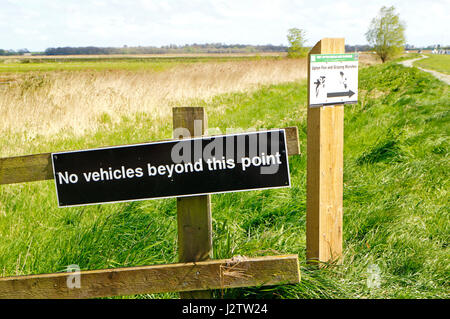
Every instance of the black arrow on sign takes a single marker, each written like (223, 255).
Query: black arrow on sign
(349, 93)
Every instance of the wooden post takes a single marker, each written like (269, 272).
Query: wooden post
(325, 141)
(194, 212)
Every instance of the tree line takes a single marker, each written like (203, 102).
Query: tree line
(13, 52)
(192, 48)
(172, 48)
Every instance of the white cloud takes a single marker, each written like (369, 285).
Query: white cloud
(38, 24)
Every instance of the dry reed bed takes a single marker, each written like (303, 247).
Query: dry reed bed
(54, 102)
(368, 59)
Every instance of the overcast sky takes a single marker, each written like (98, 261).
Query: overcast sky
(39, 24)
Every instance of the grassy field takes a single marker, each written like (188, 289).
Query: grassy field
(407, 56)
(437, 62)
(396, 203)
(161, 62)
(112, 63)
(80, 65)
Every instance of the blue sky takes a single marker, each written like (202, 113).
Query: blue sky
(39, 24)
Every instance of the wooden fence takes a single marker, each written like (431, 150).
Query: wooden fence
(192, 277)
(196, 273)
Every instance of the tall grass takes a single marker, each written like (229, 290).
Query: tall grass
(45, 104)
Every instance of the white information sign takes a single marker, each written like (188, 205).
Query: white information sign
(333, 79)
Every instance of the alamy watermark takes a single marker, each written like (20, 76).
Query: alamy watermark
(74, 279)
(249, 150)
(373, 276)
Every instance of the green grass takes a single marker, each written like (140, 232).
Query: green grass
(85, 65)
(437, 62)
(407, 56)
(110, 63)
(396, 203)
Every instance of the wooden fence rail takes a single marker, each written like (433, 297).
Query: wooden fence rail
(211, 274)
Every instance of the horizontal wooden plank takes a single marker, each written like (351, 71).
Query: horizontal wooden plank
(212, 274)
(31, 168)
(28, 168)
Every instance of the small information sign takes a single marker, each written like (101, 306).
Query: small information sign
(333, 79)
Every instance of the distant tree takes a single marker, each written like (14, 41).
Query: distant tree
(7, 52)
(387, 34)
(296, 39)
(23, 51)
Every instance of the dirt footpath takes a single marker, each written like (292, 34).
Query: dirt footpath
(441, 76)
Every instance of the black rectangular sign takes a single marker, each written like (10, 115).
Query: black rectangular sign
(195, 166)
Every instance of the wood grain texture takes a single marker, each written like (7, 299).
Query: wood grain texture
(194, 212)
(26, 168)
(293, 145)
(38, 167)
(214, 274)
(325, 141)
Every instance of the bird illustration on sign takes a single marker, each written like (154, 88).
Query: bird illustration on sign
(320, 82)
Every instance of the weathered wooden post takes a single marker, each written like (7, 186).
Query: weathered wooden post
(325, 141)
(194, 212)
